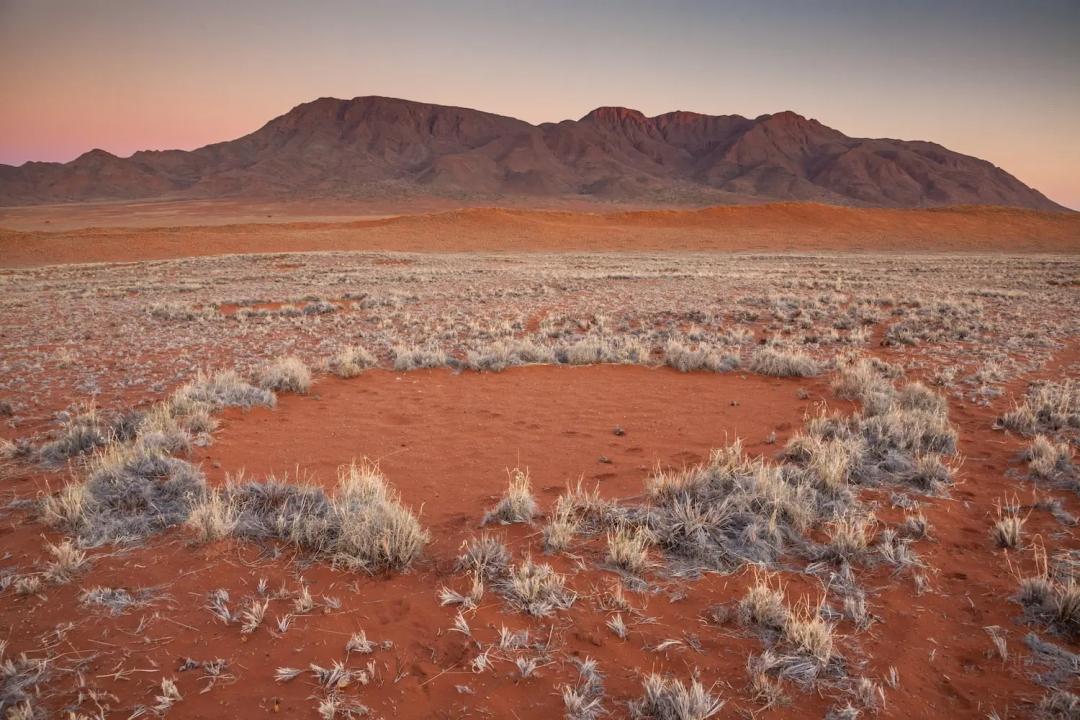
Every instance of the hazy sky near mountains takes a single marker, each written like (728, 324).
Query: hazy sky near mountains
(999, 80)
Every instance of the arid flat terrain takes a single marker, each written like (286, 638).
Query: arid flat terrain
(120, 233)
(543, 478)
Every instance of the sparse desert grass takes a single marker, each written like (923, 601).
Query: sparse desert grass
(1048, 460)
(485, 556)
(352, 360)
(1047, 407)
(585, 700)
(222, 389)
(764, 604)
(363, 525)
(508, 353)
(697, 314)
(686, 359)
(1050, 599)
(518, 504)
(21, 680)
(1008, 529)
(592, 349)
(67, 561)
(783, 363)
(213, 517)
(417, 358)
(628, 548)
(1060, 705)
(535, 589)
(900, 435)
(735, 510)
(80, 434)
(560, 531)
(850, 536)
(115, 600)
(288, 374)
(667, 698)
(131, 492)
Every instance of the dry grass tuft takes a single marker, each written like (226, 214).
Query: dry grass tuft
(288, 374)
(628, 548)
(536, 589)
(518, 504)
(1047, 407)
(778, 362)
(66, 563)
(1008, 529)
(669, 699)
(1052, 461)
(352, 360)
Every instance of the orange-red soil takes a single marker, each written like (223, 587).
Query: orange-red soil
(445, 440)
(766, 228)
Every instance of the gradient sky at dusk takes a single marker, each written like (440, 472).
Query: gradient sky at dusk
(999, 80)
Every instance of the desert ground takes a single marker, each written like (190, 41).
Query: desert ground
(774, 461)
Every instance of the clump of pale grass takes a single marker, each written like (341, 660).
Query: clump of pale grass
(560, 531)
(1051, 600)
(225, 388)
(1047, 407)
(485, 557)
(628, 548)
(362, 525)
(686, 359)
(809, 632)
(352, 360)
(667, 698)
(1048, 460)
(415, 358)
(27, 584)
(584, 701)
(67, 561)
(850, 536)
(518, 504)
(79, 434)
(595, 348)
(779, 362)
(1008, 529)
(285, 374)
(764, 604)
(506, 353)
(213, 517)
(535, 589)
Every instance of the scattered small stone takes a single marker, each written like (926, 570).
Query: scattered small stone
(605, 459)
(618, 431)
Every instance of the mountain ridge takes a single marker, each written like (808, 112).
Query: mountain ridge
(373, 146)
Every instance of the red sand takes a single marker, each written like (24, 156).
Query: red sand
(444, 441)
(766, 228)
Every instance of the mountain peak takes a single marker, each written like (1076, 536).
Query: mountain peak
(376, 146)
(614, 115)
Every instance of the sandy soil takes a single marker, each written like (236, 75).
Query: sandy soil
(183, 231)
(126, 335)
(445, 441)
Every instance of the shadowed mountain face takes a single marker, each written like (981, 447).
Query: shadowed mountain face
(372, 147)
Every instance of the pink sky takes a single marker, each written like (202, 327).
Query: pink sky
(981, 78)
